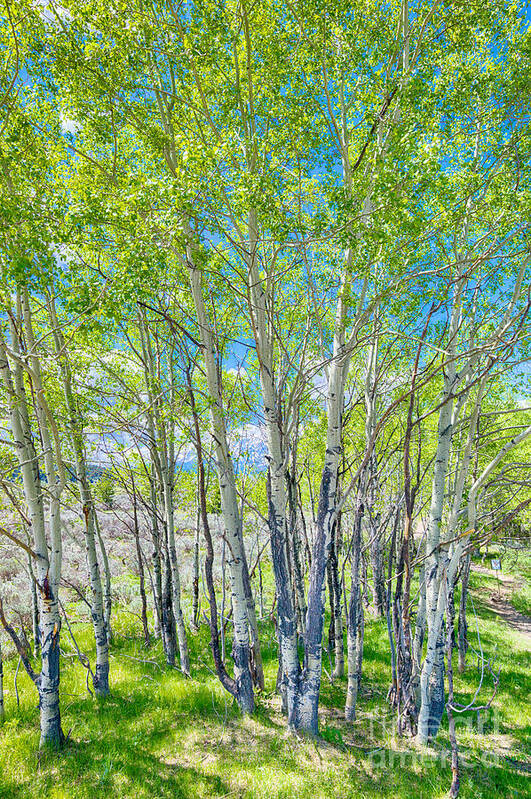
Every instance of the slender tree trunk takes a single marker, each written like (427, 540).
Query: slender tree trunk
(101, 676)
(196, 609)
(371, 487)
(326, 519)
(107, 584)
(75, 429)
(157, 592)
(436, 701)
(223, 598)
(420, 632)
(175, 577)
(2, 709)
(331, 626)
(462, 627)
(34, 610)
(163, 459)
(433, 566)
(359, 642)
(454, 788)
(364, 576)
(354, 612)
(377, 571)
(168, 622)
(295, 541)
(260, 579)
(141, 573)
(49, 677)
(229, 501)
(47, 681)
(219, 656)
(337, 620)
(278, 492)
(48, 559)
(405, 697)
(257, 667)
(156, 560)
(289, 671)
(392, 693)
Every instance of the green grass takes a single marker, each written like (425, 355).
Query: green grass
(521, 600)
(516, 564)
(162, 736)
(519, 565)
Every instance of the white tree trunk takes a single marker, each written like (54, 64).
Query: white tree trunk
(277, 477)
(229, 499)
(47, 562)
(75, 429)
(434, 556)
(163, 461)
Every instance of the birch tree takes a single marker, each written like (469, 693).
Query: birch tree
(18, 365)
(76, 434)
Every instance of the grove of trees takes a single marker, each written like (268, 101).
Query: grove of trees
(265, 279)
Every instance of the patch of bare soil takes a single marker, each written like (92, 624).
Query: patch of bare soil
(499, 601)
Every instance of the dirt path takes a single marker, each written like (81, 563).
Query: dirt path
(501, 605)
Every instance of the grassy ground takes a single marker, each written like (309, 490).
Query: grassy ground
(160, 735)
(518, 565)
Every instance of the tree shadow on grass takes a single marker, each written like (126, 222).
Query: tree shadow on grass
(114, 763)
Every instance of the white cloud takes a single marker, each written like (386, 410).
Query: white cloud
(239, 372)
(69, 125)
(50, 12)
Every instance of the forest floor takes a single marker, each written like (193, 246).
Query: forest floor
(160, 735)
(501, 600)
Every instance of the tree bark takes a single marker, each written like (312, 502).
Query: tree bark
(157, 565)
(229, 501)
(141, 573)
(48, 559)
(462, 627)
(2, 709)
(169, 641)
(337, 619)
(107, 592)
(34, 610)
(353, 616)
(75, 430)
